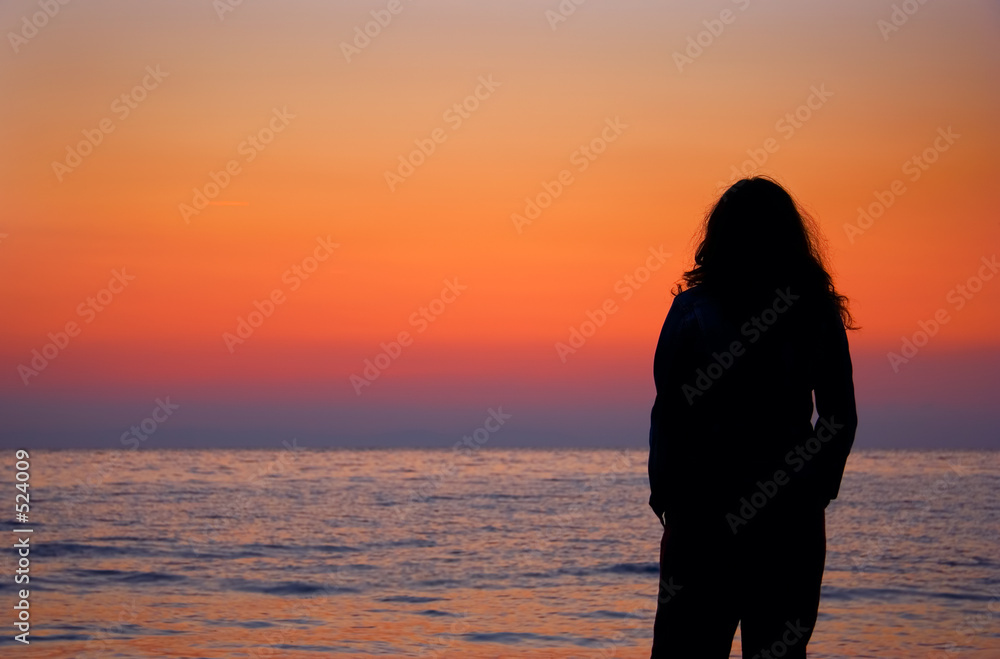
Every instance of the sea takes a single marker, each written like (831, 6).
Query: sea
(486, 552)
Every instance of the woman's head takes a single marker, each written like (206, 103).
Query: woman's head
(756, 238)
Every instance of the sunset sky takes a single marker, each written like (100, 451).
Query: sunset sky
(184, 164)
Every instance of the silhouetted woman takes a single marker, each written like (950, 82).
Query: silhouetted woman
(739, 473)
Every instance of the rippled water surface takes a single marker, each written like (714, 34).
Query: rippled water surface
(494, 553)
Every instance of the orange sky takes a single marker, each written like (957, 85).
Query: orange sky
(340, 125)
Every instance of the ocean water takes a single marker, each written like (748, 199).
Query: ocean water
(438, 553)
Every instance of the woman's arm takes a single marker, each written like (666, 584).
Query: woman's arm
(671, 411)
(835, 406)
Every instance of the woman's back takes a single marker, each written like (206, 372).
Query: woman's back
(738, 378)
(739, 474)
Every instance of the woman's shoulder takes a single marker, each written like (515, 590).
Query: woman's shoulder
(697, 307)
(685, 303)
(698, 297)
(690, 296)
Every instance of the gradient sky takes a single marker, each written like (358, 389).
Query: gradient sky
(888, 96)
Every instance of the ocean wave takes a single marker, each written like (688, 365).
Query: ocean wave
(285, 588)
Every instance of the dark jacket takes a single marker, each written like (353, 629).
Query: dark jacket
(734, 405)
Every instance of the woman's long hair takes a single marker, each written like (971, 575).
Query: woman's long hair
(756, 239)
